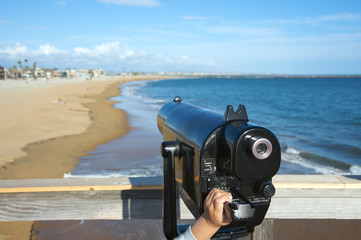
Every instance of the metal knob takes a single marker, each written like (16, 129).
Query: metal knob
(267, 189)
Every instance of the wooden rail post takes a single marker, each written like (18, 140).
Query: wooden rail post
(264, 231)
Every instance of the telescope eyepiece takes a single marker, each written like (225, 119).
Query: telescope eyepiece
(261, 148)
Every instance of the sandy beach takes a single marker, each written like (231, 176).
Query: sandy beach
(46, 125)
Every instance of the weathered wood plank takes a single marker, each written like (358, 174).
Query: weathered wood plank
(307, 181)
(91, 205)
(315, 208)
(81, 205)
(301, 197)
(141, 183)
(80, 184)
(350, 181)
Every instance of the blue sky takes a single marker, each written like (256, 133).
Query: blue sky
(235, 36)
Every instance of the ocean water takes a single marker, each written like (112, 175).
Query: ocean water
(317, 122)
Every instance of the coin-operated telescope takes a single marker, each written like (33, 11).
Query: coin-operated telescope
(203, 150)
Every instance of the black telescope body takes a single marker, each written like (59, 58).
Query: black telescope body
(203, 150)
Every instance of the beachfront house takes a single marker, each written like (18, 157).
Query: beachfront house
(27, 73)
(96, 72)
(13, 73)
(2, 73)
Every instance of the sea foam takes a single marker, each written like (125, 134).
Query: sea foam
(293, 155)
(143, 171)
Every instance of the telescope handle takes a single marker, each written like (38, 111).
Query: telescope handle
(169, 150)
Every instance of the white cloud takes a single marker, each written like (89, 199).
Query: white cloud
(107, 48)
(340, 17)
(144, 3)
(19, 52)
(49, 50)
(247, 31)
(104, 49)
(109, 56)
(13, 51)
(81, 50)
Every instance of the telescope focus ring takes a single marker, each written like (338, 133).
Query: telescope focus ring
(261, 147)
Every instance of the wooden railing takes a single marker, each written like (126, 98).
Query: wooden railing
(297, 196)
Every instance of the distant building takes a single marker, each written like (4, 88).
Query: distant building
(59, 73)
(48, 73)
(2, 73)
(13, 73)
(96, 72)
(39, 73)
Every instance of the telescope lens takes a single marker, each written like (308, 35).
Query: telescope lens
(261, 147)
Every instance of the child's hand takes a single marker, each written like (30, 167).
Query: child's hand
(215, 208)
(214, 215)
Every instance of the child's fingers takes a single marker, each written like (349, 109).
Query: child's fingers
(227, 216)
(209, 199)
(219, 201)
(216, 198)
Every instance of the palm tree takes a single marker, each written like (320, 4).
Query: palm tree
(20, 70)
(15, 72)
(26, 67)
(34, 71)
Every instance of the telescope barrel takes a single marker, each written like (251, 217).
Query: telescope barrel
(220, 151)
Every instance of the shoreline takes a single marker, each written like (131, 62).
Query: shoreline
(64, 151)
(96, 122)
(88, 116)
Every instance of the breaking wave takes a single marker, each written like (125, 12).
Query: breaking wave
(319, 164)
